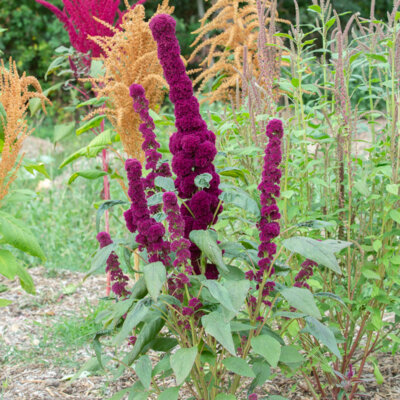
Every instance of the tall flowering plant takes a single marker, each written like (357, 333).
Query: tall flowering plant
(215, 322)
(78, 17)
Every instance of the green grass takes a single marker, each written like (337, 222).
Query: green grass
(61, 339)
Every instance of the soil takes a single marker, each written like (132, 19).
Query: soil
(43, 376)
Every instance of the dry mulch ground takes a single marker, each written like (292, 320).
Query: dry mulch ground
(35, 364)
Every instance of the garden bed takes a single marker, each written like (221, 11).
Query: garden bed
(37, 362)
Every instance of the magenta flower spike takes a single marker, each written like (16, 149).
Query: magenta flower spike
(150, 232)
(193, 145)
(77, 17)
(269, 187)
(150, 145)
(118, 279)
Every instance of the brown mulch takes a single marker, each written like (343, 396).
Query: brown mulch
(29, 372)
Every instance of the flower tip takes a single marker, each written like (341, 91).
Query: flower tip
(275, 128)
(132, 164)
(104, 239)
(162, 24)
(136, 90)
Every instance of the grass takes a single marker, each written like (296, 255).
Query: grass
(58, 341)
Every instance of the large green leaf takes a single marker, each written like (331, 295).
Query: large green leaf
(323, 334)
(219, 293)
(182, 362)
(134, 316)
(146, 335)
(268, 347)
(155, 276)
(239, 198)
(92, 123)
(322, 252)
(262, 370)
(143, 370)
(16, 234)
(169, 394)
(238, 366)
(291, 357)
(215, 325)
(99, 143)
(301, 299)
(10, 268)
(88, 174)
(207, 243)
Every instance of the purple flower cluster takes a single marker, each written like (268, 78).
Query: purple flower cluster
(77, 17)
(270, 190)
(305, 273)
(193, 145)
(120, 280)
(150, 232)
(176, 227)
(150, 145)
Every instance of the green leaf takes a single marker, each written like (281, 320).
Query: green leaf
(164, 344)
(155, 199)
(393, 189)
(39, 167)
(315, 8)
(276, 397)
(143, 370)
(10, 268)
(323, 334)
(155, 276)
(99, 143)
(215, 326)
(322, 252)
(237, 290)
(146, 335)
(262, 371)
(362, 188)
(291, 357)
(219, 293)
(268, 347)
(134, 317)
(96, 101)
(203, 181)
(330, 22)
(91, 124)
(208, 245)
(225, 396)
(169, 394)
(238, 366)
(165, 183)
(395, 215)
(61, 131)
(100, 258)
(301, 299)
(16, 234)
(369, 274)
(377, 373)
(182, 362)
(5, 302)
(239, 198)
(88, 174)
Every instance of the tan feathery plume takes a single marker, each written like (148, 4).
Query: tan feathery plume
(14, 98)
(237, 24)
(130, 57)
